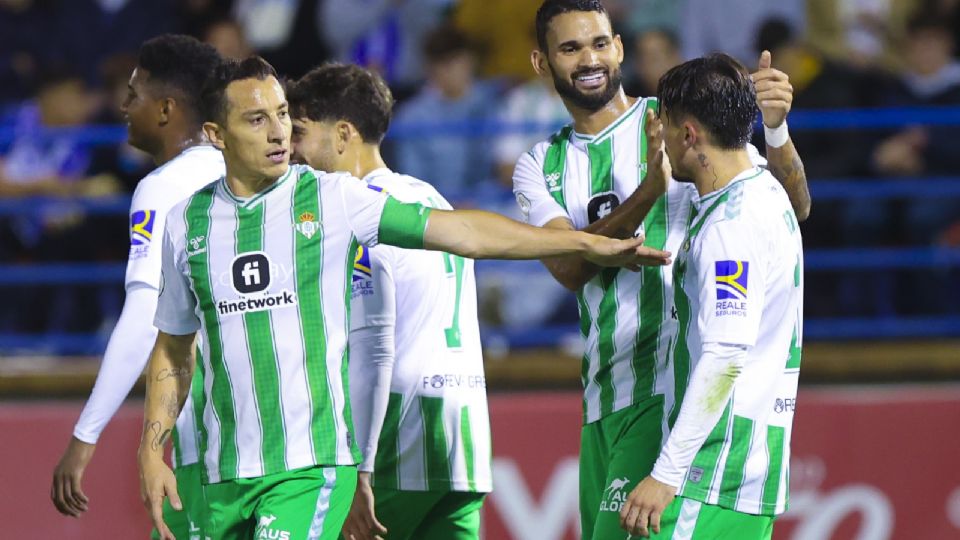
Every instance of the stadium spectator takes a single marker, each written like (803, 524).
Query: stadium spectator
(384, 35)
(859, 32)
(533, 103)
(501, 28)
(228, 38)
(452, 164)
(731, 26)
(655, 51)
(634, 17)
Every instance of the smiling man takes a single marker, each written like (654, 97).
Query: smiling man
(604, 175)
(259, 264)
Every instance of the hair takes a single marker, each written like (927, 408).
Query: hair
(774, 33)
(717, 91)
(179, 64)
(925, 22)
(551, 8)
(213, 98)
(444, 43)
(347, 92)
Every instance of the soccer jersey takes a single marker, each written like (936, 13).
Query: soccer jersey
(626, 318)
(436, 434)
(739, 277)
(165, 186)
(265, 281)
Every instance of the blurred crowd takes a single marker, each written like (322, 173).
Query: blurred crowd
(460, 71)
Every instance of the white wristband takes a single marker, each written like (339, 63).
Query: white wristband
(776, 137)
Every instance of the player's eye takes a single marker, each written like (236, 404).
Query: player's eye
(257, 120)
(283, 114)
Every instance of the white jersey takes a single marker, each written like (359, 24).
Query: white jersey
(436, 431)
(155, 194)
(739, 277)
(626, 318)
(266, 282)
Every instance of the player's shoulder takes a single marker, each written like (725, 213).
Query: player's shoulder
(183, 175)
(406, 188)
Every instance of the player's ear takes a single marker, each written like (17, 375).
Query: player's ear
(167, 105)
(539, 61)
(618, 43)
(345, 132)
(214, 134)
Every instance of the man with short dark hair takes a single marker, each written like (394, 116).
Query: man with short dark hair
(724, 470)
(603, 174)
(417, 384)
(163, 119)
(259, 263)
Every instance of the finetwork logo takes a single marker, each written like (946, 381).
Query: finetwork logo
(281, 299)
(265, 531)
(615, 495)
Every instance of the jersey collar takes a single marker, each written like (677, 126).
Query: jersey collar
(609, 130)
(250, 202)
(748, 174)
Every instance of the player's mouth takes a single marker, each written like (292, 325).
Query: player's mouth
(591, 79)
(278, 156)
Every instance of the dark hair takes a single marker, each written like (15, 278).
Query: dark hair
(179, 64)
(717, 91)
(774, 33)
(444, 43)
(551, 8)
(348, 92)
(214, 96)
(922, 22)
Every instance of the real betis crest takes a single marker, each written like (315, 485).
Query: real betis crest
(307, 224)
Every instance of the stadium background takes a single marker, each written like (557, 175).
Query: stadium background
(876, 119)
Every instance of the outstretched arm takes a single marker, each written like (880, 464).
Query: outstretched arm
(573, 271)
(775, 97)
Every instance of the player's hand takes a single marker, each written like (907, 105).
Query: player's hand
(658, 166)
(157, 482)
(774, 92)
(630, 253)
(644, 506)
(66, 493)
(361, 523)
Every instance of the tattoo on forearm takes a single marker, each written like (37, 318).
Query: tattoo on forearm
(171, 403)
(179, 373)
(154, 432)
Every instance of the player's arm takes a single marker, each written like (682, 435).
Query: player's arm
(169, 372)
(372, 356)
(573, 271)
(774, 98)
(123, 363)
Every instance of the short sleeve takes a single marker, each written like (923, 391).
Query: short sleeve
(731, 273)
(363, 207)
(530, 188)
(147, 217)
(373, 299)
(176, 306)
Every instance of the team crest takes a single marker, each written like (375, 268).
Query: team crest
(307, 224)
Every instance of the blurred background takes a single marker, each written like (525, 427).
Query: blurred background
(876, 119)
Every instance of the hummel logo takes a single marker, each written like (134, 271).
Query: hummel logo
(197, 245)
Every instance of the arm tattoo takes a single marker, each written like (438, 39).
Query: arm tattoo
(172, 405)
(180, 373)
(157, 435)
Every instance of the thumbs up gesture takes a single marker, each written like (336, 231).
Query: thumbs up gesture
(774, 92)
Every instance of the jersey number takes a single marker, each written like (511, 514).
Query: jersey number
(454, 269)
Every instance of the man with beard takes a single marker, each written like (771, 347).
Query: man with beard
(602, 175)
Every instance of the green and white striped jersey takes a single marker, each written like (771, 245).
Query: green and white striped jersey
(739, 277)
(436, 431)
(625, 317)
(266, 282)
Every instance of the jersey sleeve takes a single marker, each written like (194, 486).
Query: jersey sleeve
(377, 218)
(731, 271)
(176, 306)
(530, 188)
(373, 300)
(148, 211)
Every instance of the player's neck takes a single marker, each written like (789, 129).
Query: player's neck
(593, 122)
(244, 185)
(365, 160)
(173, 146)
(716, 168)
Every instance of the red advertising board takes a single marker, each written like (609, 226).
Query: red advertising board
(869, 464)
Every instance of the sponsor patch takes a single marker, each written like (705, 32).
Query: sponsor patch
(141, 232)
